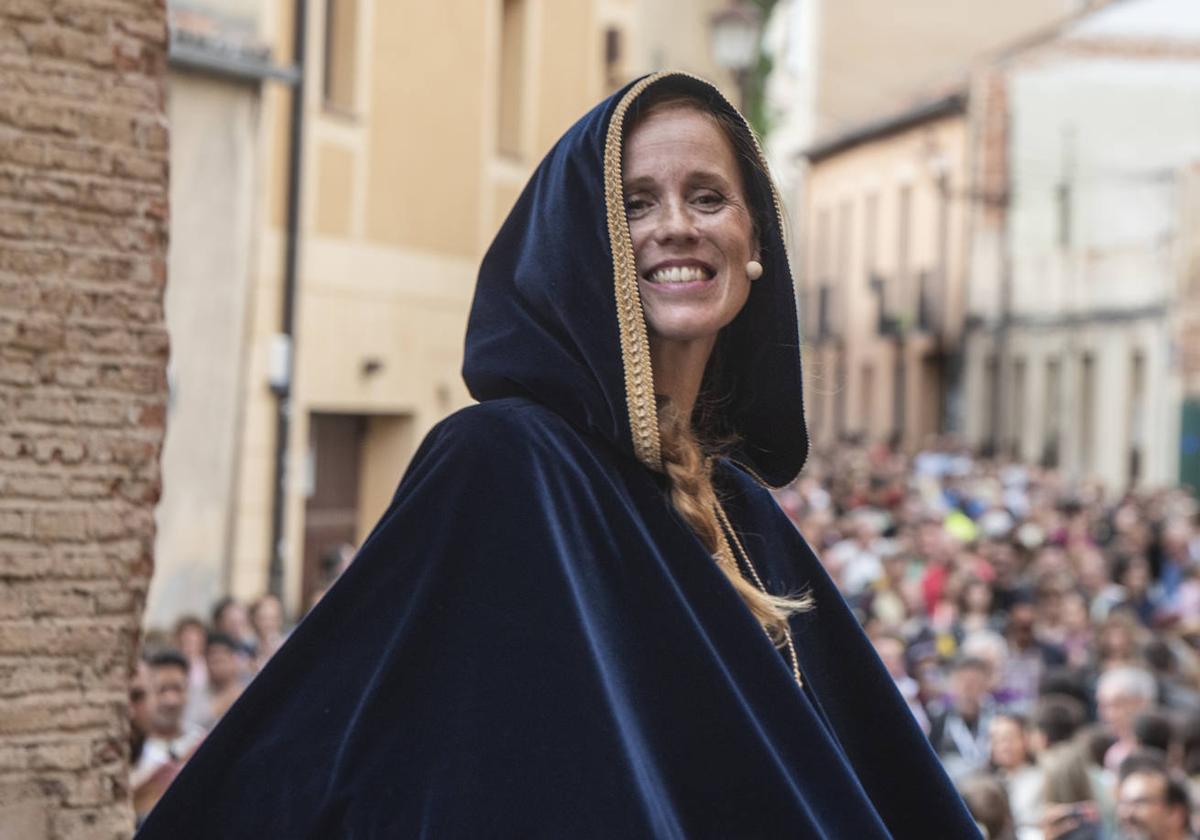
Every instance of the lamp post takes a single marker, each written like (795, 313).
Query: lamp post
(735, 32)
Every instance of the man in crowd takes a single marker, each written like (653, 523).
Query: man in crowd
(959, 733)
(141, 710)
(1153, 803)
(171, 740)
(1122, 694)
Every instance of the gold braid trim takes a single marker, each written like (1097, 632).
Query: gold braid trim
(725, 554)
(635, 346)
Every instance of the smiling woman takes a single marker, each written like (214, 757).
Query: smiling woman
(557, 628)
(694, 225)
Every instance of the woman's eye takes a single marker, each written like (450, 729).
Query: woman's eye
(633, 206)
(710, 199)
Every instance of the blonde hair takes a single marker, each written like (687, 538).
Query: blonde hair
(694, 498)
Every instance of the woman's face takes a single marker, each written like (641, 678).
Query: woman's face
(1008, 743)
(690, 224)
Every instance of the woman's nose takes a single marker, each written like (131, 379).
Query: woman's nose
(676, 222)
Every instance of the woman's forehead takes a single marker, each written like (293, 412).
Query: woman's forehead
(678, 139)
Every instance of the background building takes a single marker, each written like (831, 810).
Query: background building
(218, 70)
(884, 272)
(838, 64)
(1086, 137)
(83, 353)
(418, 126)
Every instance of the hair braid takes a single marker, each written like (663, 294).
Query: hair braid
(694, 498)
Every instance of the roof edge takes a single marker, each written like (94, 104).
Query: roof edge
(931, 109)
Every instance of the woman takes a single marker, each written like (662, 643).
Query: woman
(1013, 764)
(556, 630)
(1071, 811)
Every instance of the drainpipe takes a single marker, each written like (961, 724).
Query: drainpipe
(283, 352)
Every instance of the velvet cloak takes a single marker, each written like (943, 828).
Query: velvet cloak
(531, 643)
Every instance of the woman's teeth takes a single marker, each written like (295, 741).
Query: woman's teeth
(678, 274)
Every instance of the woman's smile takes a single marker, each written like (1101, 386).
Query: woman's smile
(675, 276)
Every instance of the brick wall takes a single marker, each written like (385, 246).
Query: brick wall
(83, 349)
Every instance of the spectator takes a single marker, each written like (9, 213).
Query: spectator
(1153, 803)
(266, 617)
(988, 803)
(1173, 689)
(141, 710)
(1121, 695)
(225, 682)
(891, 652)
(1028, 657)
(1013, 764)
(1153, 730)
(1070, 808)
(189, 639)
(1058, 722)
(171, 740)
(959, 733)
(230, 617)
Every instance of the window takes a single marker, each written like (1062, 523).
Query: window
(1062, 195)
(871, 234)
(341, 54)
(845, 223)
(512, 78)
(903, 234)
(1087, 418)
(613, 53)
(824, 312)
(1050, 420)
(1137, 415)
(866, 398)
(1016, 425)
(819, 319)
(991, 385)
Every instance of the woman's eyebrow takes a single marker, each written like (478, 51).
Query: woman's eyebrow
(640, 183)
(703, 176)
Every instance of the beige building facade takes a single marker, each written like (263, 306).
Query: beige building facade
(216, 183)
(883, 276)
(420, 124)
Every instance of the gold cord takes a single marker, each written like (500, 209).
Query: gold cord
(745, 555)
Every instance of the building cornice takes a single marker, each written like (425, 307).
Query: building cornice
(945, 106)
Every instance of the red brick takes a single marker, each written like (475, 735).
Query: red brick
(26, 9)
(21, 149)
(59, 450)
(88, 823)
(83, 173)
(14, 523)
(33, 486)
(59, 525)
(77, 157)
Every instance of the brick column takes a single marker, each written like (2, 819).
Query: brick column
(83, 351)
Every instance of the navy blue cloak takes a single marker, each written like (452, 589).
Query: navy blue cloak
(531, 642)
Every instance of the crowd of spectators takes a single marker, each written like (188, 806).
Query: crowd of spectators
(186, 680)
(1045, 633)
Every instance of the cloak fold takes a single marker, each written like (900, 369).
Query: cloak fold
(427, 697)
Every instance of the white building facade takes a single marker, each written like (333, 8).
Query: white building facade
(1083, 146)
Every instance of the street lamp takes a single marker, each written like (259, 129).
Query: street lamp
(735, 41)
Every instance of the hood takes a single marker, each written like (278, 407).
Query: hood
(557, 315)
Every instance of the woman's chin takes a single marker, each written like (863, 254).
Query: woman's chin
(682, 331)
